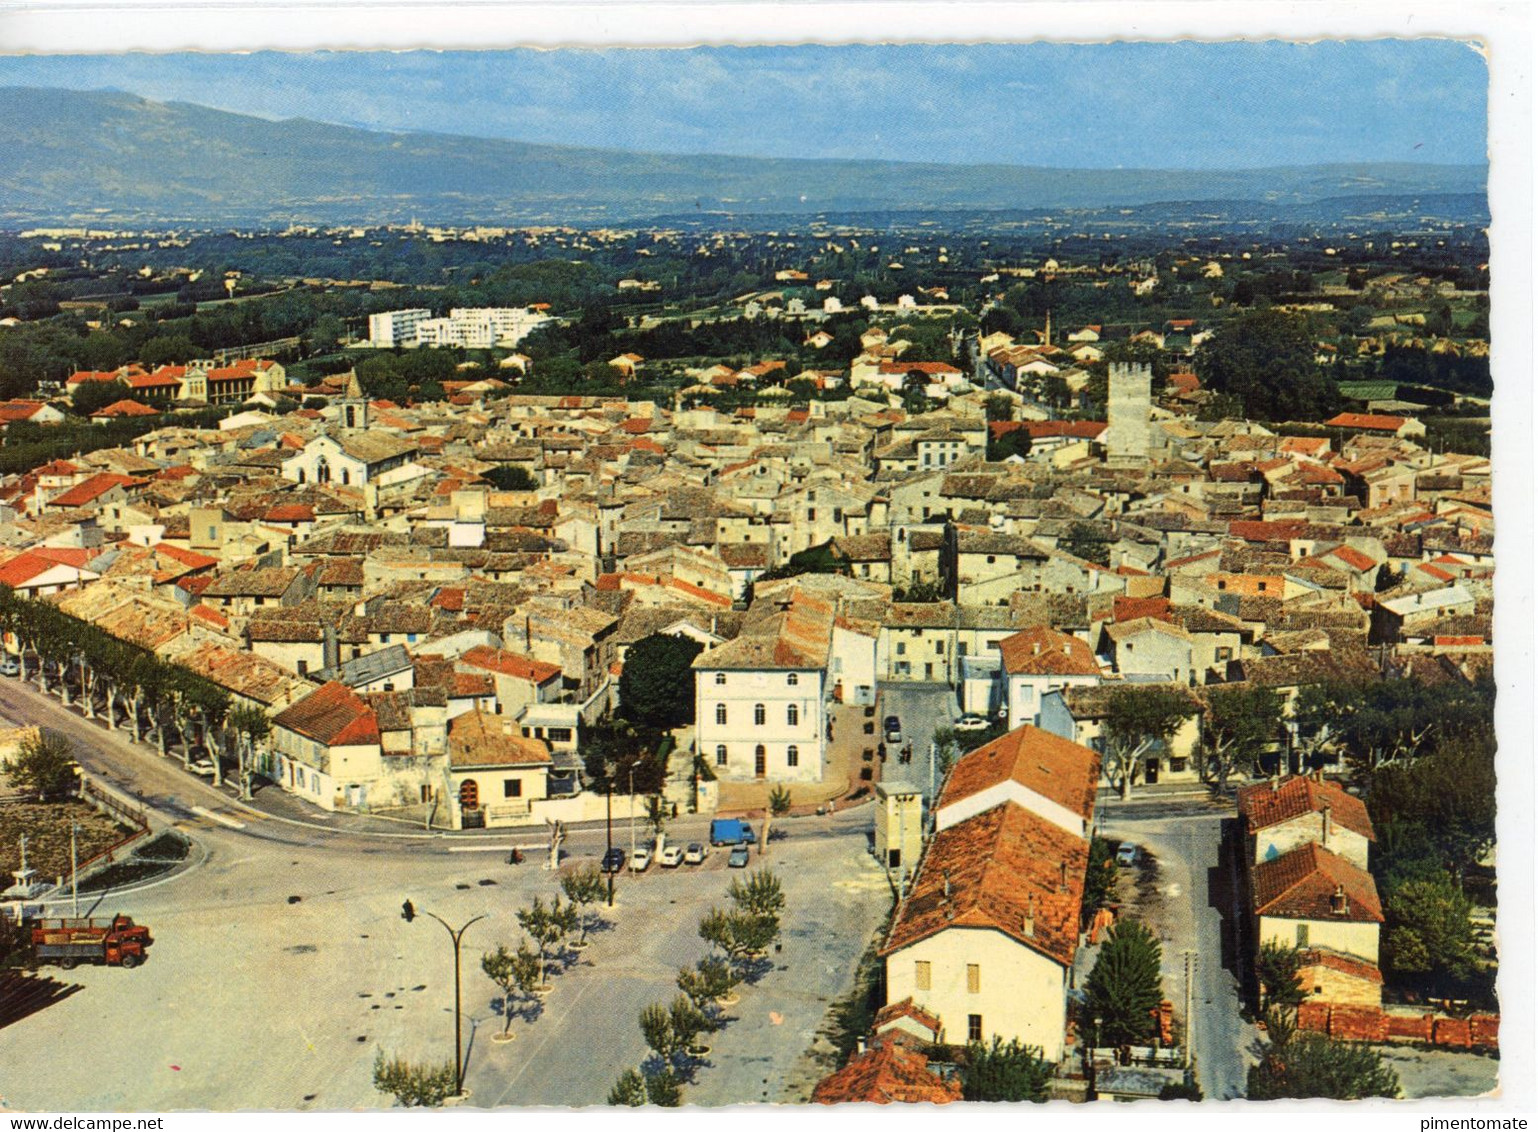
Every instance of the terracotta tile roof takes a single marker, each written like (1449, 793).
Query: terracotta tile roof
(1006, 870)
(477, 739)
(333, 715)
(1125, 608)
(1046, 652)
(885, 1074)
(88, 491)
(1372, 422)
(906, 1008)
(1262, 805)
(26, 566)
(1058, 769)
(126, 408)
(1258, 530)
(1301, 885)
(510, 664)
(1352, 557)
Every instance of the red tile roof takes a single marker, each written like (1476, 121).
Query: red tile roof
(1370, 422)
(1004, 870)
(887, 1073)
(1345, 964)
(31, 563)
(1057, 769)
(1353, 557)
(126, 408)
(1046, 652)
(510, 664)
(1263, 805)
(332, 715)
(1302, 885)
(88, 491)
(1080, 430)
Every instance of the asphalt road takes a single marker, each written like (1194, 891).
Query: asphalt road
(1187, 841)
(921, 708)
(281, 964)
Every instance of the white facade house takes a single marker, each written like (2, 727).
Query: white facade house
(354, 458)
(761, 699)
(1038, 661)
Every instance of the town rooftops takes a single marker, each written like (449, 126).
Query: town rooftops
(1045, 652)
(1367, 422)
(1057, 769)
(1005, 870)
(333, 715)
(1264, 804)
(365, 669)
(513, 664)
(477, 739)
(1310, 883)
(887, 1073)
(89, 491)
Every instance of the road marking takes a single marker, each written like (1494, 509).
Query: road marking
(496, 848)
(220, 818)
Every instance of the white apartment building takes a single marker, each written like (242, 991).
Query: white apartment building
(473, 328)
(396, 328)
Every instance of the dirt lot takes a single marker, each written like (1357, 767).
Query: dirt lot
(1442, 1073)
(45, 825)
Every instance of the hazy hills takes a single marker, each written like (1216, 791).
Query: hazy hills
(70, 156)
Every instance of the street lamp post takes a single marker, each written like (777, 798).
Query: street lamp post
(408, 913)
(632, 812)
(608, 800)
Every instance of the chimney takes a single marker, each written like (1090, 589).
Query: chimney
(1036, 648)
(1339, 905)
(1028, 923)
(1062, 876)
(859, 1045)
(1067, 650)
(1324, 839)
(945, 884)
(330, 651)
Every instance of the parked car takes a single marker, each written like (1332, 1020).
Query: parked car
(739, 857)
(894, 729)
(203, 768)
(695, 854)
(970, 722)
(671, 857)
(10, 666)
(613, 860)
(1126, 856)
(640, 860)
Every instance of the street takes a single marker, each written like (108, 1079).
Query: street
(285, 936)
(1186, 841)
(921, 708)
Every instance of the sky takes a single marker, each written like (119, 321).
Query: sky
(1181, 105)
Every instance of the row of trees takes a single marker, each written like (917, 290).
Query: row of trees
(740, 937)
(132, 686)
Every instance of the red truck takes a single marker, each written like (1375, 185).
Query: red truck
(118, 942)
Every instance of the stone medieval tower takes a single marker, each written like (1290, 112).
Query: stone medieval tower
(1128, 408)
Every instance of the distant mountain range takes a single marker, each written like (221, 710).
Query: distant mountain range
(106, 157)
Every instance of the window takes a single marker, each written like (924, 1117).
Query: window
(990, 560)
(1262, 587)
(902, 648)
(303, 667)
(811, 514)
(974, 978)
(1302, 935)
(721, 754)
(213, 532)
(792, 679)
(838, 514)
(512, 788)
(974, 1027)
(939, 648)
(792, 755)
(1225, 654)
(720, 678)
(559, 734)
(792, 715)
(921, 974)
(721, 715)
(758, 715)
